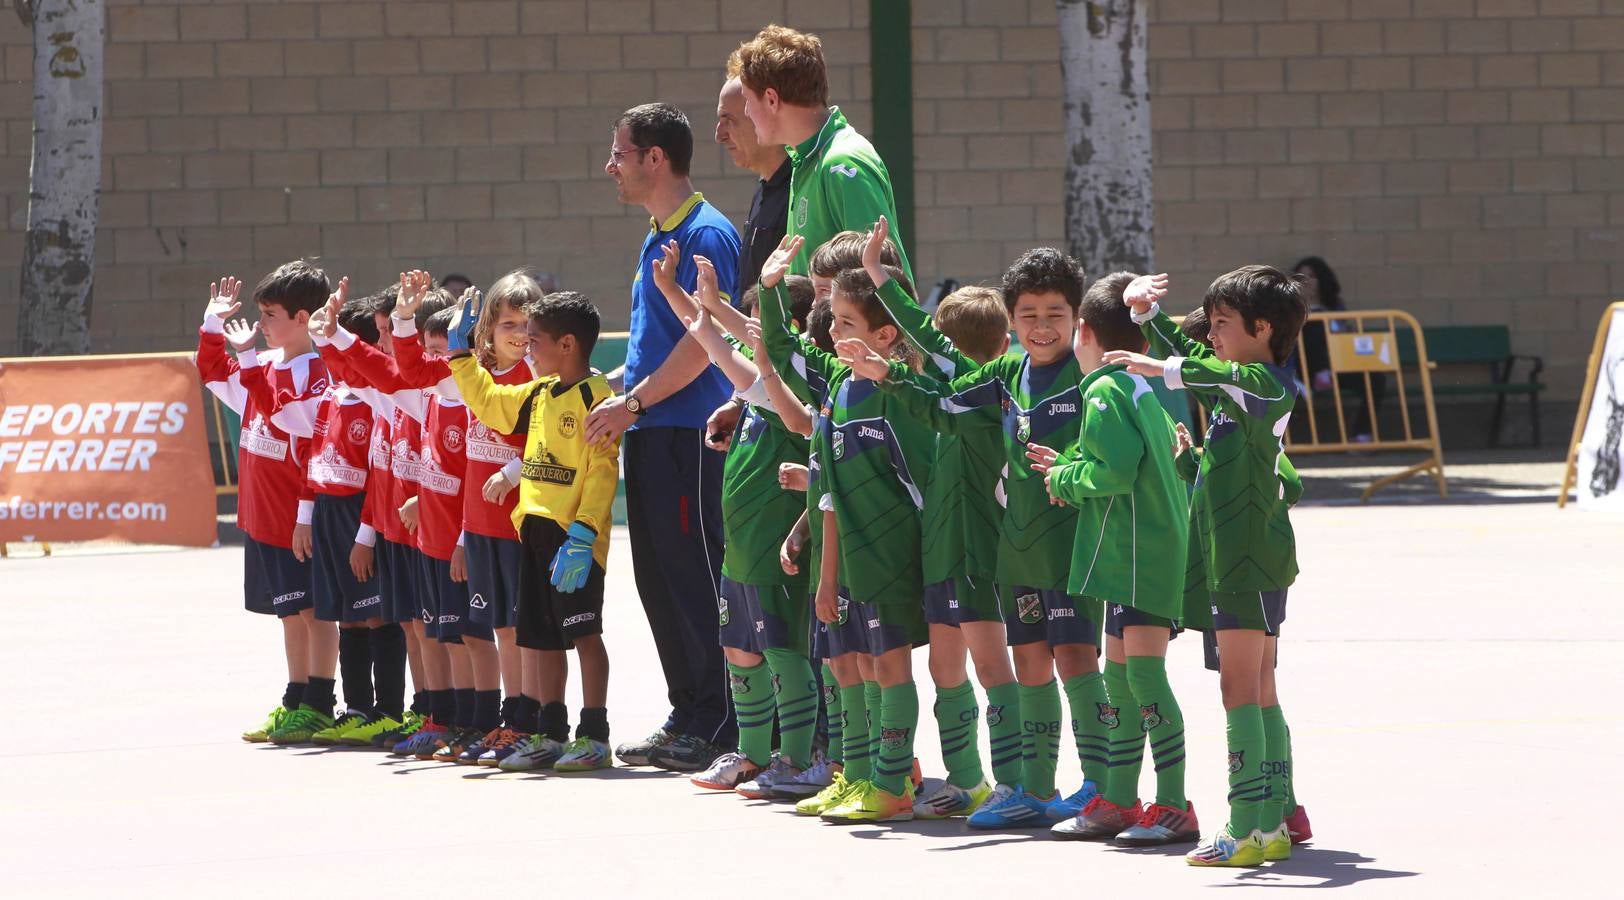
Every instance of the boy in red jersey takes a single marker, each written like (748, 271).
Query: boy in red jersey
(272, 501)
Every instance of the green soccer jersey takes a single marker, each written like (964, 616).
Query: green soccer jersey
(1132, 509)
(837, 183)
(1238, 513)
(1026, 403)
(870, 456)
(757, 513)
(961, 513)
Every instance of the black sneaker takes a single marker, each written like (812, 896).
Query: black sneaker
(636, 753)
(685, 753)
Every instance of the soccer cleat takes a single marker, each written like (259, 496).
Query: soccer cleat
(636, 753)
(1011, 807)
(452, 745)
(330, 735)
(507, 741)
(584, 755)
(300, 725)
(728, 772)
(1225, 851)
(536, 751)
(1162, 825)
(941, 799)
(826, 799)
(405, 728)
(427, 740)
(685, 753)
(363, 734)
(868, 802)
(1071, 807)
(813, 779)
(470, 754)
(782, 769)
(1277, 844)
(427, 732)
(261, 733)
(1099, 820)
(1297, 824)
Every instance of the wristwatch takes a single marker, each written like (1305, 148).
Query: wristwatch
(634, 405)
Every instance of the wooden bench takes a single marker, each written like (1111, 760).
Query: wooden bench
(1483, 345)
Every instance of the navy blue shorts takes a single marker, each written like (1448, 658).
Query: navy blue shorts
(757, 618)
(1118, 617)
(548, 618)
(892, 626)
(493, 580)
(399, 574)
(963, 598)
(338, 595)
(445, 605)
(274, 582)
(848, 633)
(1263, 611)
(1032, 615)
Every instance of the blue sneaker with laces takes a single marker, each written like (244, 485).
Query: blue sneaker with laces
(1070, 807)
(1011, 807)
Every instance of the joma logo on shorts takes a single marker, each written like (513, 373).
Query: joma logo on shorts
(1062, 612)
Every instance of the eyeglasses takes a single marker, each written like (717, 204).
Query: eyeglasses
(615, 155)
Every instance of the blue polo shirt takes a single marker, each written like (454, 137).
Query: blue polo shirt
(699, 230)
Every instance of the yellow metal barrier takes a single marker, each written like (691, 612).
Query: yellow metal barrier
(1363, 348)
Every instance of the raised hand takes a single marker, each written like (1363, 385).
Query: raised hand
(705, 283)
(1137, 363)
(862, 359)
(1181, 439)
(665, 266)
(460, 335)
(777, 265)
(757, 343)
(324, 322)
(1145, 290)
(223, 303)
(1042, 458)
(414, 288)
(241, 335)
(872, 249)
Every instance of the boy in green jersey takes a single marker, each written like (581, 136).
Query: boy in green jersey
(1240, 531)
(873, 458)
(1122, 479)
(1027, 398)
(762, 609)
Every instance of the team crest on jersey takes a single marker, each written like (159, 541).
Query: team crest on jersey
(1108, 715)
(1149, 717)
(801, 208)
(840, 444)
(893, 737)
(721, 611)
(477, 601)
(1023, 428)
(1029, 608)
(567, 425)
(1237, 761)
(995, 715)
(453, 439)
(359, 432)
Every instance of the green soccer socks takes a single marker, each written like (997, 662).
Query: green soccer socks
(1248, 786)
(1162, 722)
(1120, 714)
(753, 704)
(1040, 737)
(899, 719)
(1004, 732)
(1276, 766)
(1085, 694)
(859, 752)
(795, 690)
(956, 718)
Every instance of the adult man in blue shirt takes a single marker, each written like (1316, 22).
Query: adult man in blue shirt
(673, 482)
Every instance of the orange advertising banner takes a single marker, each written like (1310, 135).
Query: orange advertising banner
(104, 448)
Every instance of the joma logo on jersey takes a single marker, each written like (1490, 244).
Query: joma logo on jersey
(1056, 409)
(1029, 607)
(538, 471)
(848, 171)
(873, 434)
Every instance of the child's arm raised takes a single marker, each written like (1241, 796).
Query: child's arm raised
(1143, 296)
(972, 400)
(804, 368)
(784, 402)
(1186, 458)
(739, 369)
(942, 359)
(1240, 383)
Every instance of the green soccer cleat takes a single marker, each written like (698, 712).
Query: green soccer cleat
(868, 802)
(261, 733)
(583, 755)
(1277, 844)
(1225, 851)
(300, 726)
(362, 734)
(408, 726)
(828, 798)
(329, 736)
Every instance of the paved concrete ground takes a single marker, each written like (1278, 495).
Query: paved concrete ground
(1450, 673)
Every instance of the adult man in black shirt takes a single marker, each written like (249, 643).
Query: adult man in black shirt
(769, 210)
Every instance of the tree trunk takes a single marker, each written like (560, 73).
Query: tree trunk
(64, 183)
(1109, 217)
